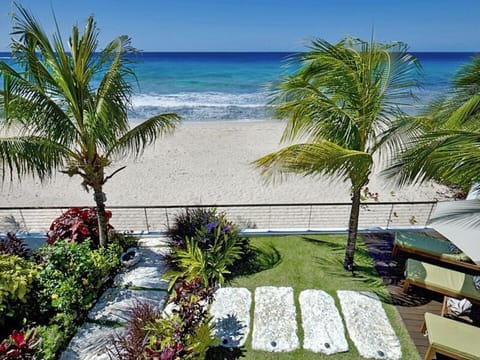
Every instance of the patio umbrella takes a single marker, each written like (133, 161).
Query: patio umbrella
(459, 222)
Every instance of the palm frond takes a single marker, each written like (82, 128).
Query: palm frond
(29, 155)
(346, 93)
(134, 141)
(464, 113)
(30, 105)
(458, 213)
(449, 156)
(318, 159)
(112, 98)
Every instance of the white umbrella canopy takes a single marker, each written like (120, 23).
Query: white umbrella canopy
(459, 222)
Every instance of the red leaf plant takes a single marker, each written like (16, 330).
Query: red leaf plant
(75, 225)
(19, 345)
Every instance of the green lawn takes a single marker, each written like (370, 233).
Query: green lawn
(315, 262)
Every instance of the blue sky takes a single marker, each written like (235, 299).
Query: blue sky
(262, 25)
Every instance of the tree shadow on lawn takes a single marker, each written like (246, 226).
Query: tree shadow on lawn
(260, 259)
(223, 353)
(364, 269)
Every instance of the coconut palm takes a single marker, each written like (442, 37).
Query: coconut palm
(340, 102)
(65, 108)
(444, 142)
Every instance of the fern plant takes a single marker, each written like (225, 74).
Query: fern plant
(211, 264)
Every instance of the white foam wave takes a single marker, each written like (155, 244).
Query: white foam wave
(203, 99)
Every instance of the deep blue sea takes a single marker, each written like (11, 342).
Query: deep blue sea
(235, 86)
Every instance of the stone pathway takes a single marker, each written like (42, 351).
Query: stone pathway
(142, 282)
(275, 323)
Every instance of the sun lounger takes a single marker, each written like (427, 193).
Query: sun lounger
(444, 281)
(451, 338)
(431, 247)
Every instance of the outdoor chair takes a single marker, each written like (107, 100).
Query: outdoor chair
(432, 247)
(452, 338)
(441, 280)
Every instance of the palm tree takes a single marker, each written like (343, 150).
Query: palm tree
(340, 102)
(59, 119)
(443, 143)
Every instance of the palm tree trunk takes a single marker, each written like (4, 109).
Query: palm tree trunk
(99, 197)
(352, 230)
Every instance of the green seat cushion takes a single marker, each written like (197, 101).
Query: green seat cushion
(428, 243)
(454, 336)
(442, 278)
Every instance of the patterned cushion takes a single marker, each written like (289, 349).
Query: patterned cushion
(453, 249)
(476, 282)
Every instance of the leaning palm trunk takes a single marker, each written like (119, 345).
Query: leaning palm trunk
(352, 230)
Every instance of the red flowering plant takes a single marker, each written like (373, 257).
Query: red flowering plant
(77, 224)
(19, 345)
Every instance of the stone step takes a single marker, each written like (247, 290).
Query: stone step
(368, 325)
(322, 325)
(153, 241)
(147, 273)
(91, 342)
(231, 315)
(115, 304)
(274, 323)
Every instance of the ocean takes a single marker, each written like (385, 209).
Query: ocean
(236, 86)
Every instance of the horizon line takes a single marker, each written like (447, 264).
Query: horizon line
(269, 51)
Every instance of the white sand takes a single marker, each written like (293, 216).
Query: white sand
(203, 163)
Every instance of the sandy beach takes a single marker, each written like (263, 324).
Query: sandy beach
(204, 163)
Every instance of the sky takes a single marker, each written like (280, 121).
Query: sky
(261, 25)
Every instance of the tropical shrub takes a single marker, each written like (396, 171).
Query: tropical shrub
(186, 225)
(196, 232)
(51, 339)
(210, 265)
(123, 241)
(186, 333)
(11, 244)
(17, 277)
(73, 274)
(76, 225)
(19, 345)
(192, 300)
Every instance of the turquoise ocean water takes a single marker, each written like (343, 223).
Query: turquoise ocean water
(235, 86)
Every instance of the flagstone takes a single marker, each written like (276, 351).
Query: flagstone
(90, 343)
(368, 325)
(275, 323)
(323, 329)
(115, 304)
(231, 315)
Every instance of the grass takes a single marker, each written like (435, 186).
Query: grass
(315, 262)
